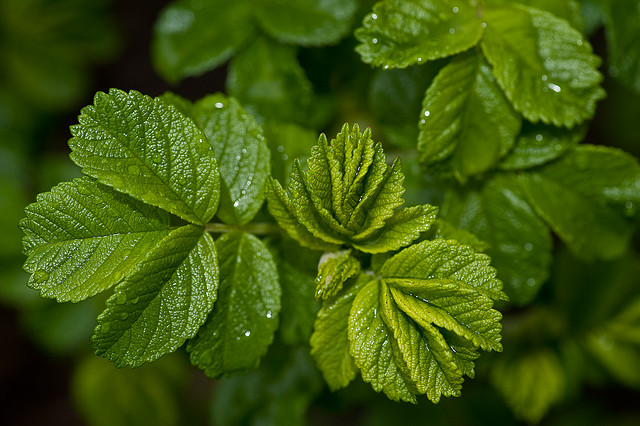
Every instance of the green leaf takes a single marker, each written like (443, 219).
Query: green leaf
(399, 33)
(163, 302)
(191, 38)
(538, 144)
(84, 237)
(545, 67)
(242, 154)
(520, 243)
(306, 22)
(287, 141)
(149, 150)
(589, 197)
(530, 383)
(395, 97)
(417, 329)
(623, 26)
(349, 195)
(241, 326)
(268, 80)
(568, 10)
(330, 338)
(466, 121)
(334, 269)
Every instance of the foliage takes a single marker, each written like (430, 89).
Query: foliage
(219, 227)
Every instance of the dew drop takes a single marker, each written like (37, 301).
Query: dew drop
(280, 148)
(219, 104)
(455, 9)
(630, 209)
(374, 41)
(386, 67)
(531, 282)
(244, 150)
(269, 314)
(40, 276)
(544, 78)
(236, 203)
(538, 137)
(247, 333)
(484, 25)
(285, 157)
(554, 87)
(374, 16)
(579, 42)
(452, 30)
(419, 59)
(427, 113)
(528, 246)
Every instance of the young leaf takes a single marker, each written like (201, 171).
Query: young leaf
(163, 302)
(520, 247)
(268, 80)
(149, 150)
(538, 144)
(466, 119)
(242, 154)
(589, 197)
(334, 269)
(306, 22)
(399, 33)
(192, 38)
(241, 326)
(349, 195)
(545, 67)
(330, 339)
(84, 237)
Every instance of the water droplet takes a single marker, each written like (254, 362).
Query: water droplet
(374, 41)
(374, 16)
(219, 104)
(386, 67)
(484, 25)
(280, 148)
(579, 42)
(419, 59)
(557, 147)
(244, 150)
(121, 298)
(247, 333)
(531, 282)
(544, 78)
(452, 30)
(238, 157)
(538, 137)
(554, 87)
(268, 314)
(423, 121)
(455, 9)
(285, 157)
(236, 203)
(528, 246)
(427, 113)
(630, 209)
(40, 276)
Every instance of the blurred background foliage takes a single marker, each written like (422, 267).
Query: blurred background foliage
(572, 355)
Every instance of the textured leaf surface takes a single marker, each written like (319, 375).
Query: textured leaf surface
(589, 197)
(268, 80)
(348, 195)
(191, 38)
(334, 269)
(545, 67)
(149, 150)
(399, 33)
(538, 144)
(306, 22)
(623, 27)
(242, 154)
(163, 302)
(330, 338)
(520, 242)
(466, 120)
(84, 237)
(241, 326)
(530, 383)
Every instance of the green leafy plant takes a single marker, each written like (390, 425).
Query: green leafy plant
(284, 261)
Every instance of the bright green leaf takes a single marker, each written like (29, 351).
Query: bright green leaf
(242, 154)
(538, 144)
(268, 80)
(466, 119)
(149, 150)
(589, 197)
(241, 326)
(306, 22)
(84, 237)
(520, 243)
(399, 33)
(191, 38)
(163, 302)
(545, 66)
(330, 338)
(334, 269)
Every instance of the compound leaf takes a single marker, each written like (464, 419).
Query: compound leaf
(191, 38)
(83, 237)
(240, 328)
(242, 153)
(589, 197)
(545, 66)
(399, 33)
(149, 150)
(306, 22)
(163, 302)
(466, 119)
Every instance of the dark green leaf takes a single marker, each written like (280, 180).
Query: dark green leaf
(545, 67)
(399, 33)
(568, 10)
(149, 150)
(242, 154)
(306, 22)
(84, 237)
(623, 27)
(589, 197)
(191, 38)
(520, 242)
(241, 326)
(163, 302)
(466, 119)
(287, 141)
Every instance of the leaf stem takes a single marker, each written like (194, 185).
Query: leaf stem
(252, 228)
